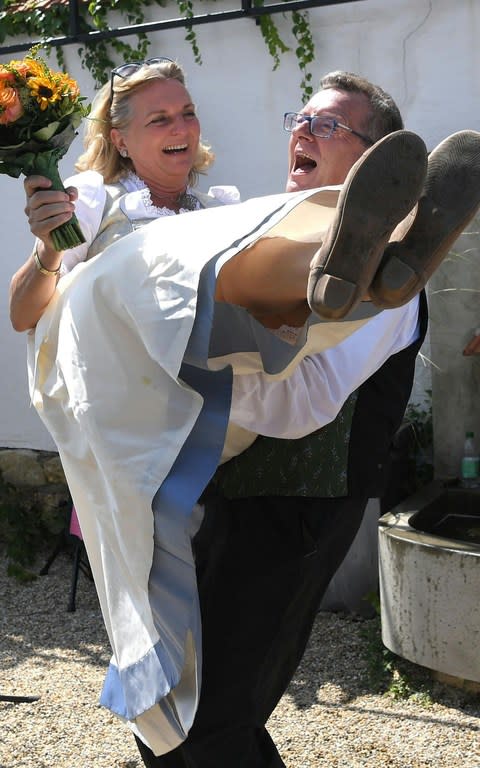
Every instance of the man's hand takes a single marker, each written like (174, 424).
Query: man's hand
(473, 346)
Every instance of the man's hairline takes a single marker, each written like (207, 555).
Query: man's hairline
(369, 118)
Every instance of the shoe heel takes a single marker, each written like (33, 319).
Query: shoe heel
(449, 201)
(335, 295)
(395, 282)
(379, 191)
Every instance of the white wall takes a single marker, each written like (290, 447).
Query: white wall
(424, 52)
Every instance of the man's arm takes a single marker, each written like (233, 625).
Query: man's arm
(473, 346)
(314, 394)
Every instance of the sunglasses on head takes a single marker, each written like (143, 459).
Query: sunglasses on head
(127, 70)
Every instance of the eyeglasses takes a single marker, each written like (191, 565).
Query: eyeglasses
(320, 126)
(128, 69)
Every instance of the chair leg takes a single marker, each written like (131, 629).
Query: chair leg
(85, 565)
(58, 548)
(75, 572)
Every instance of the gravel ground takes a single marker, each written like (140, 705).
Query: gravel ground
(328, 718)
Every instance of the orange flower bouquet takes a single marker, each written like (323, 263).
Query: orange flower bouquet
(40, 111)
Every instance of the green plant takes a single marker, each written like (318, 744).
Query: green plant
(400, 679)
(420, 417)
(29, 525)
(388, 673)
(27, 19)
(305, 51)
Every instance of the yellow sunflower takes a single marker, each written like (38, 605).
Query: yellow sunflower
(35, 68)
(28, 67)
(44, 90)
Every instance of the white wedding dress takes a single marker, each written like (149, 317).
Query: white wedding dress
(130, 369)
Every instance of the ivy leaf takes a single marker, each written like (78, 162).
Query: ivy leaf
(99, 56)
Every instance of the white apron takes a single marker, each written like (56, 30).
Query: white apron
(130, 369)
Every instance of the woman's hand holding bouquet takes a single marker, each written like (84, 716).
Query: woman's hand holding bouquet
(40, 111)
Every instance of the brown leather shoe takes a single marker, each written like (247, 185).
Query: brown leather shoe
(379, 191)
(450, 199)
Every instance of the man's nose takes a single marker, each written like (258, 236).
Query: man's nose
(302, 128)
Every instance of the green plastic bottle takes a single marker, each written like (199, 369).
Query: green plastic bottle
(470, 466)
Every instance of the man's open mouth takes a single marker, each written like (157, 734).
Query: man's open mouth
(304, 162)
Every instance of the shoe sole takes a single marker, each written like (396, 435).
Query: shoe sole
(379, 191)
(449, 201)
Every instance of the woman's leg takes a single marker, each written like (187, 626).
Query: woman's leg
(333, 242)
(269, 278)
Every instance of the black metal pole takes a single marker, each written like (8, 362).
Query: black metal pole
(247, 10)
(74, 18)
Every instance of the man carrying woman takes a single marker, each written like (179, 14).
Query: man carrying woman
(130, 359)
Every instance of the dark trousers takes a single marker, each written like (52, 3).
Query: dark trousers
(263, 566)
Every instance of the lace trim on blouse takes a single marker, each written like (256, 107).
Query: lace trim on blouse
(139, 185)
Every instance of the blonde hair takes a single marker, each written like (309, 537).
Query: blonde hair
(113, 111)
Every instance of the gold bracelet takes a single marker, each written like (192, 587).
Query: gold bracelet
(41, 268)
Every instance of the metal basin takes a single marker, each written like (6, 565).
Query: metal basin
(429, 561)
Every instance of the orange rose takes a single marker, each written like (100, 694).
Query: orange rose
(6, 76)
(69, 87)
(10, 106)
(22, 68)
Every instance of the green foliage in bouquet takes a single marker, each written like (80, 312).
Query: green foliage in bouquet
(40, 111)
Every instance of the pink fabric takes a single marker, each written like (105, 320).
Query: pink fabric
(75, 525)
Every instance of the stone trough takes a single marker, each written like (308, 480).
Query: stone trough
(429, 564)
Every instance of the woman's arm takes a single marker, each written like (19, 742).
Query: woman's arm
(33, 285)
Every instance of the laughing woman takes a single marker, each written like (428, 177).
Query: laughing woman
(143, 137)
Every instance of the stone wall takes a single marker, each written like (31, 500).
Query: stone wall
(34, 501)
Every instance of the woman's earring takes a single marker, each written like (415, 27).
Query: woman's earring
(123, 152)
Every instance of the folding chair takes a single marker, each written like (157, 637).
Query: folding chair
(80, 559)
